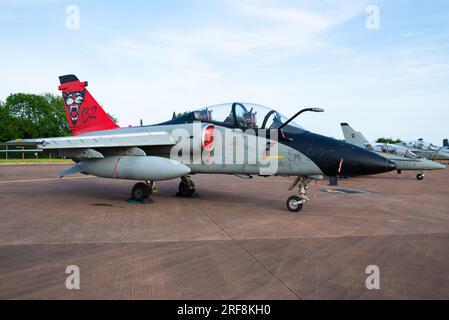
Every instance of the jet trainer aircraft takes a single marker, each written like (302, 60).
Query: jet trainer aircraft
(404, 158)
(238, 138)
(427, 150)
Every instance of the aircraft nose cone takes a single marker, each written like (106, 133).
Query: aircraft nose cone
(431, 165)
(335, 157)
(366, 163)
(391, 166)
(439, 166)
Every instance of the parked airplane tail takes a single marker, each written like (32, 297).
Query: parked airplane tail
(355, 137)
(84, 114)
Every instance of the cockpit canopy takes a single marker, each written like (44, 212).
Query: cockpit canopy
(394, 149)
(245, 116)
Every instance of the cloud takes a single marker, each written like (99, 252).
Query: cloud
(303, 13)
(291, 30)
(211, 62)
(269, 11)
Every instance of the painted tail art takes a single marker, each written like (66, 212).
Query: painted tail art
(84, 114)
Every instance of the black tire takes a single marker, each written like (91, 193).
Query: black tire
(140, 192)
(185, 191)
(420, 177)
(294, 204)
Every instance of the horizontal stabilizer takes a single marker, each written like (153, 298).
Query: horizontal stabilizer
(73, 170)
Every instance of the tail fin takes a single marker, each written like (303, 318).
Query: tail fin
(84, 114)
(354, 137)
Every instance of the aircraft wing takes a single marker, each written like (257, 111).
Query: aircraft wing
(93, 146)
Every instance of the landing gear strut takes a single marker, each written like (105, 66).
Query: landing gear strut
(296, 203)
(186, 187)
(143, 191)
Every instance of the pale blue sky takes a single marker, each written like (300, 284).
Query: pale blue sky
(145, 59)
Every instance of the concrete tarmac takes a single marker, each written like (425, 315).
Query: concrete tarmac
(235, 241)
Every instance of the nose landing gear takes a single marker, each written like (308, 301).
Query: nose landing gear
(420, 176)
(296, 203)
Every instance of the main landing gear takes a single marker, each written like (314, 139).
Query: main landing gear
(296, 203)
(186, 187)
(142, 191)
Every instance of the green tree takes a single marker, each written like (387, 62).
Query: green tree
(7, 126)
(27, 116)
(113, 118)
(182, 114)
(388, 140)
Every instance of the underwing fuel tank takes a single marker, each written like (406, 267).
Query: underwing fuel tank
(135, 168)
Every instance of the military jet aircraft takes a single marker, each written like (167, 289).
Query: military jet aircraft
(237, 138)
(404, 158)
(427, 150)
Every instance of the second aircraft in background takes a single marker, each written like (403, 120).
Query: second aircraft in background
(403, 157)
(427, 150)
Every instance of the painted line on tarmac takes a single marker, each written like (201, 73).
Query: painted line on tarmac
(131, 242)
(41, 180)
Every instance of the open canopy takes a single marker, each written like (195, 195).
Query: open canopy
(394, 149)
(245, 115)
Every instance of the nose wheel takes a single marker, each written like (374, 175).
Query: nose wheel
(420, 176)
(296, 203)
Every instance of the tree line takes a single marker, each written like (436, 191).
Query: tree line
(27, 116)
(388, 140)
